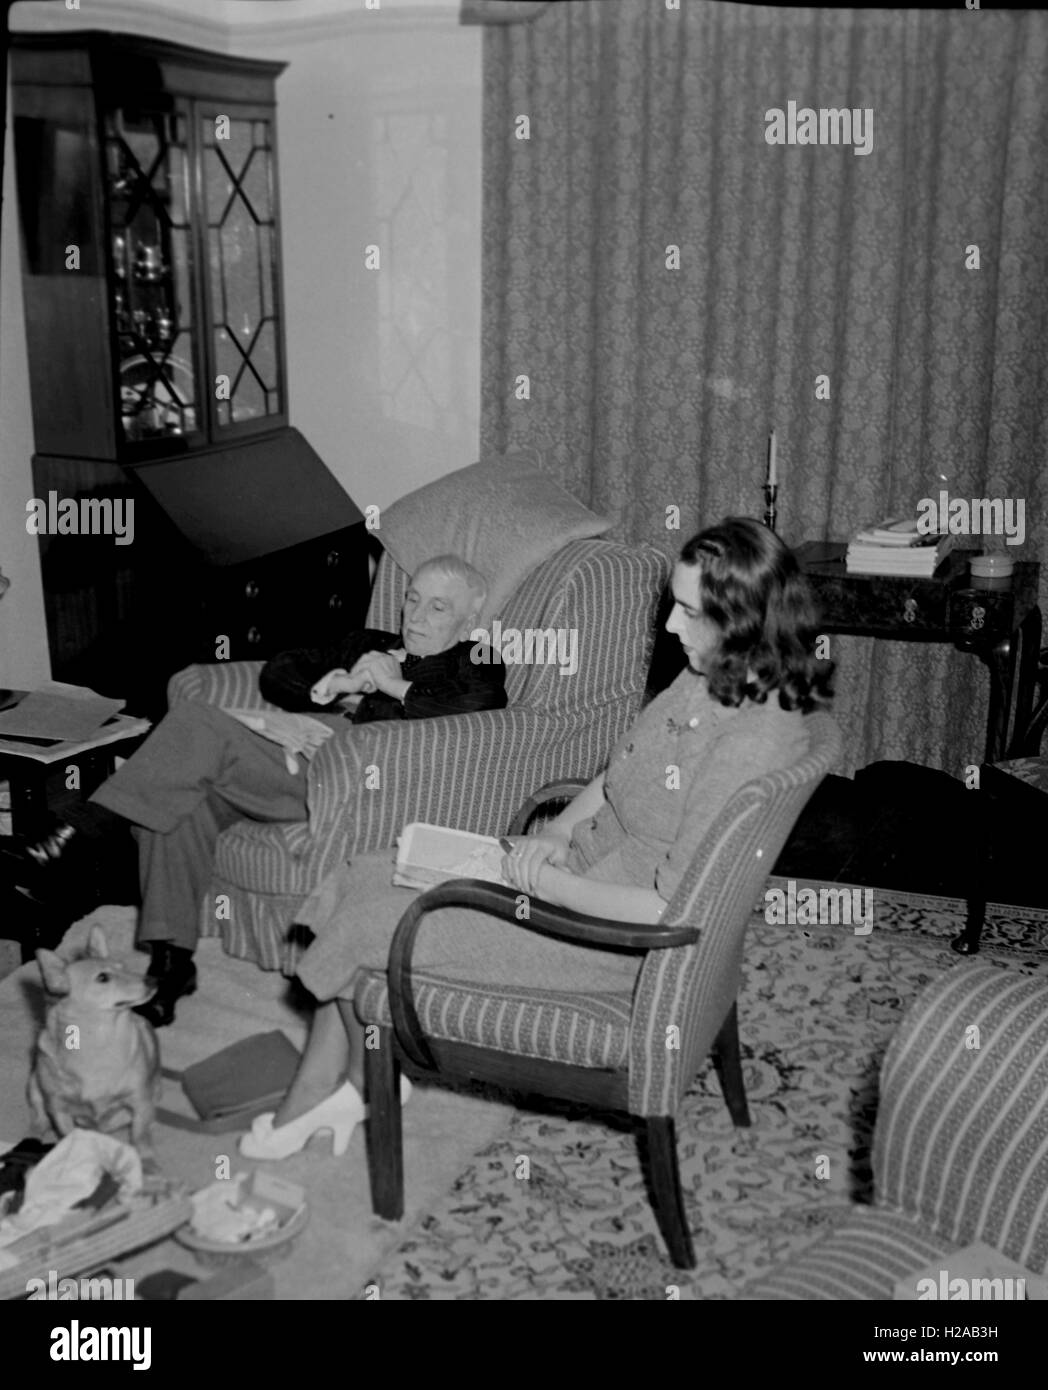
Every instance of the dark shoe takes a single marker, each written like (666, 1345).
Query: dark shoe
(81, 826)
(57, 873)
(37, 858)
(175, 974)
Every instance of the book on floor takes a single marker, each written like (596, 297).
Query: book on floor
(430, 854)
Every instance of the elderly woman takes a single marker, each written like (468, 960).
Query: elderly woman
(745, 620)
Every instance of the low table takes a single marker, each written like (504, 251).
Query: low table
(39, 788)
(1000, 624)
(39, 780)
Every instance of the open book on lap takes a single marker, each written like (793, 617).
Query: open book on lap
(431, 854)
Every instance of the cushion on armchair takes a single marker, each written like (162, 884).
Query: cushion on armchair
(505, 517)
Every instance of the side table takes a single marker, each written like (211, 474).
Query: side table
(38, 785)
(1019, 788)
(38, 780)
(999, 624)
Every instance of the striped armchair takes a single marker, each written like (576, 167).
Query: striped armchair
(635, 1054)
(470, 771)
(960, 1151)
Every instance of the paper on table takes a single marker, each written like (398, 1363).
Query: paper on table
(58, 714)
(121, 727)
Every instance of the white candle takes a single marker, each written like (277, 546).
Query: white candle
(773, 476)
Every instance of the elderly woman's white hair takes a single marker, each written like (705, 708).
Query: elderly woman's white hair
(454, 567)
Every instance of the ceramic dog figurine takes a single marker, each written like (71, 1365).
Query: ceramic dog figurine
(96, 1064)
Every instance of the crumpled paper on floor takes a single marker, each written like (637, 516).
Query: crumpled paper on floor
(69, 1173)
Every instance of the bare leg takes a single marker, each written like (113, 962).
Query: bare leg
(354, 1031)
(334, 1049)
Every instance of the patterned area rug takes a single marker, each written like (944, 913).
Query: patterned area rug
(557, 1208)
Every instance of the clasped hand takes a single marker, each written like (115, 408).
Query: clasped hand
(381, 670)
(373, 671)
(521, 867)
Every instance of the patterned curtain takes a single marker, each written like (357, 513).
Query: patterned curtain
(500, 11)
(652, 386)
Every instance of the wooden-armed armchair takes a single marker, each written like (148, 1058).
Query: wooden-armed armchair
(638, 1054)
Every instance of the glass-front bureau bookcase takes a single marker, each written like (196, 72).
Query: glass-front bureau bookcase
(147, 188)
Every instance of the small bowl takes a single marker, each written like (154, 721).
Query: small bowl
(266, 1249)
(287, 1200)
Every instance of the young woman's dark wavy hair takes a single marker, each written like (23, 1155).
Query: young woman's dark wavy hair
(752, 588)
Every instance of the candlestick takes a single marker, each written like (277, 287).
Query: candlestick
(773, 475)
(770, 493)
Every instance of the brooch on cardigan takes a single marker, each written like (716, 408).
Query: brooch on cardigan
(674, 726)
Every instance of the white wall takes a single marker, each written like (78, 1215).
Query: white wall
(379, 131)
(24, 660)
(379, 115)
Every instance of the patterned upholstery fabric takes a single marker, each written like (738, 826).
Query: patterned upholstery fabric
(586, 1030)
(586, 580)
(470, 771)
(233, 684)
(863, 1258)
(691, 987)
(961, 1144)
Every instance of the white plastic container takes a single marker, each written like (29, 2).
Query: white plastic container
(992, 566)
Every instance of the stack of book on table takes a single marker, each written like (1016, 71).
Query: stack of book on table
(897, 546)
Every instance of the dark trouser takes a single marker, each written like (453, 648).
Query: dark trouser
(197, 772)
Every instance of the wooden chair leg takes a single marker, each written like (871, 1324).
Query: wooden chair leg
(982, 821)
(385, 1146)
(660, 1137)
(727, 1060)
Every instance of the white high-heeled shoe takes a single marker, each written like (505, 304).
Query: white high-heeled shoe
(341, 1112)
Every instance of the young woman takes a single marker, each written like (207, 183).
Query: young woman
(746, 622)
